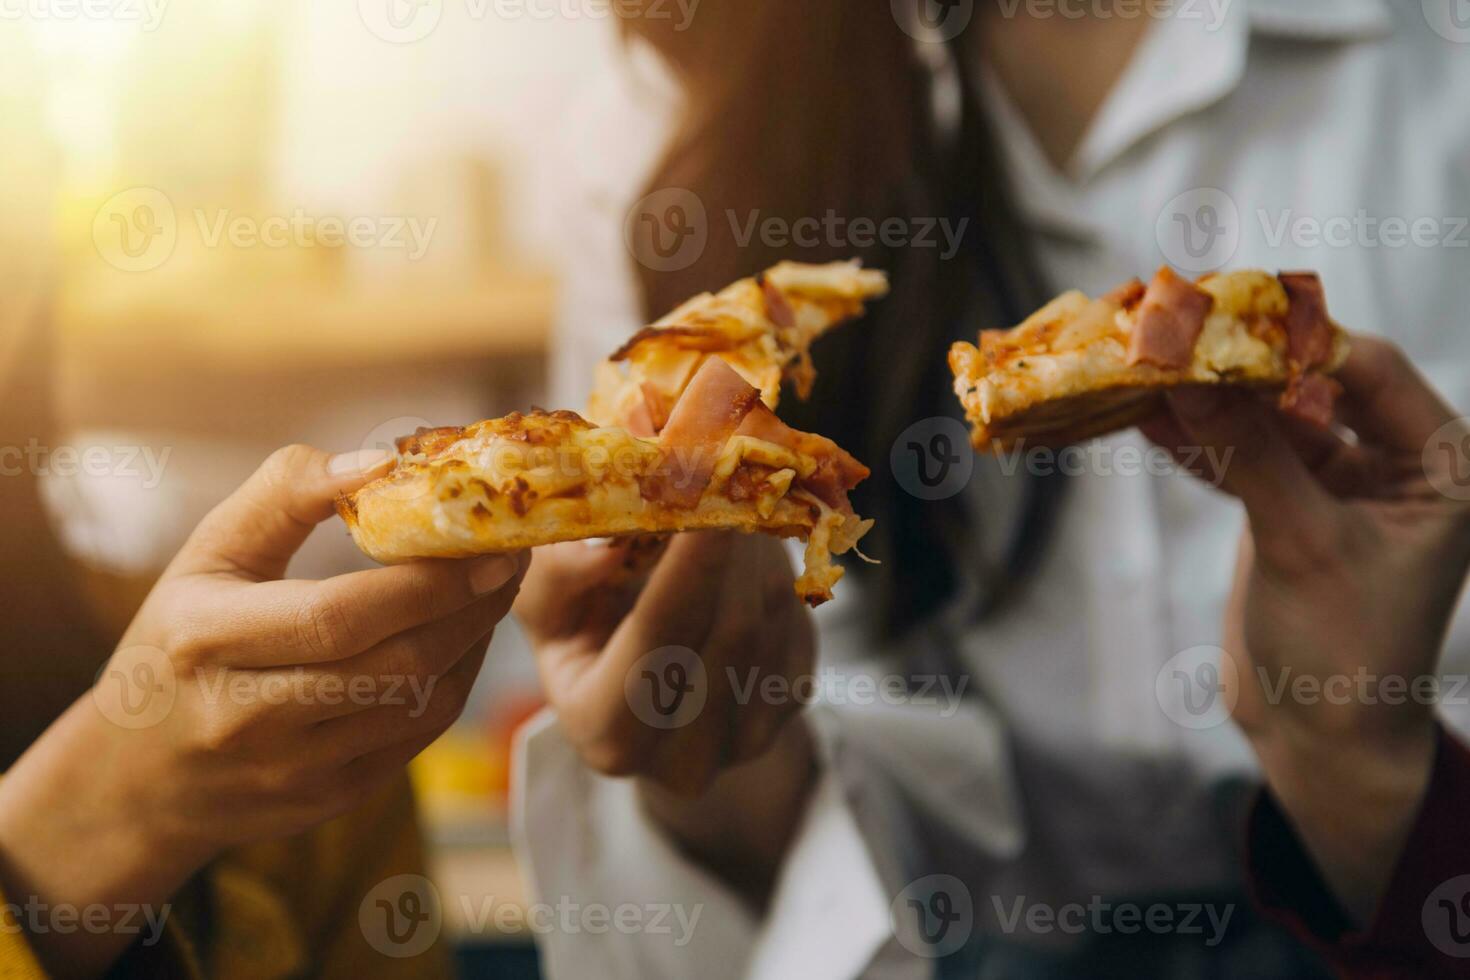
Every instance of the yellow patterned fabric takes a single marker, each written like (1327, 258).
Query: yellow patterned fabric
(284, 909)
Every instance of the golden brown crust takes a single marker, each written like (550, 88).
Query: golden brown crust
(1065, 374)
(529, 480)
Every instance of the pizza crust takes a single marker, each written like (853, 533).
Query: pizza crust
(530, 480)
(1064, 374)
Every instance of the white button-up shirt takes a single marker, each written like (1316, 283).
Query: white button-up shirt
(1284, 134)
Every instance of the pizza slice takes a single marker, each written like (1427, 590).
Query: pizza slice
(1081, 367)
(761, 327)
(722, 460)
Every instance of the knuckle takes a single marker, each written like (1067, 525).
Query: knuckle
(191, 645)
(323, 629)
(402, 661)
(1389, 353)
(429, 586)
(278, 781)
(281, 467)
(221, 733)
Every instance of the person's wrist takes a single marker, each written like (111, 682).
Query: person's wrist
(1349, 792)
(120, 798)
(1353, 801)
(75, 832)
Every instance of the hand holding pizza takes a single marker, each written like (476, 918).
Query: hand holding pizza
(1348, 575)
(241, 705)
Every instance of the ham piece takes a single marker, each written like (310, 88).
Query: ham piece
(1308, 330)
(707, 414)
(1170, 320)
(837, 472)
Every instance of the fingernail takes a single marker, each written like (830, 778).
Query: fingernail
(1195, 403)
(363, 462)
(490, 574)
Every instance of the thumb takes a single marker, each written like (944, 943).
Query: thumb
(257, 529)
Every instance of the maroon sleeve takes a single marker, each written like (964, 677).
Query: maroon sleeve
(1422, 927)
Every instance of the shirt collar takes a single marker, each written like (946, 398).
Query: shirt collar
(1187, 62)
(1322, 20)
(1198, 56)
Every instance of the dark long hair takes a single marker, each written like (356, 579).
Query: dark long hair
(797, 108)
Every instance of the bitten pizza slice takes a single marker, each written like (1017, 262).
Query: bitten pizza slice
(762, 327)
(1083, 367)
(722, 461)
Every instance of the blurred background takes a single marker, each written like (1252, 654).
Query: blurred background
(274, 222)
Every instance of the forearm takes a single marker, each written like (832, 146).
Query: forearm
(742, 826)
(1354, 806)
(74, 837)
